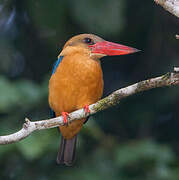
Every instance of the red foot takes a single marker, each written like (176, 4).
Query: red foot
(86, 109)
(65, 117)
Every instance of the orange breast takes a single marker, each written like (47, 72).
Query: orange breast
(77, 81)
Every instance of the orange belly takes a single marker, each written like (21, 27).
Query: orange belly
(77, 81)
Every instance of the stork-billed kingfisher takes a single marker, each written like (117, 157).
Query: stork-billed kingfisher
(76, 82)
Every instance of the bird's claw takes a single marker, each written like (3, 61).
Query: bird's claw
(65, 117)
(86, 109)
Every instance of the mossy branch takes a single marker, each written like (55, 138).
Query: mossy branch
(169, 79)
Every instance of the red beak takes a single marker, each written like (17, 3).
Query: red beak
(111, 49)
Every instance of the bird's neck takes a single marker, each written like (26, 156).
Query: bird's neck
(80, 61)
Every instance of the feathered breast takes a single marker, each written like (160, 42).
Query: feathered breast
(77, 81)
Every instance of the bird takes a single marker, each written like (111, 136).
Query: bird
(76, 82)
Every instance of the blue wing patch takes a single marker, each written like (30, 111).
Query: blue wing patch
(56, 64)
(52, 113)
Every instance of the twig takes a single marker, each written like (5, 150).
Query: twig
(170, 5)
(111, 100)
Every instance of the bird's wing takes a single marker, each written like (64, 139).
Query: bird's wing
(52, 113)
(56, 64)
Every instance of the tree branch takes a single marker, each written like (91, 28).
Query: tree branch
(168, 79)
(170, 5)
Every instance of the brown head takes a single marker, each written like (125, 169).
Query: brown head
(94, 46)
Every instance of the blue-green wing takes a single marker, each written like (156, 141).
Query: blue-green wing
(52, 113)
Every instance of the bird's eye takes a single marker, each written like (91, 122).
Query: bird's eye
(88, 41)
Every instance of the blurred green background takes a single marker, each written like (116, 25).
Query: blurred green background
(136, 140)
